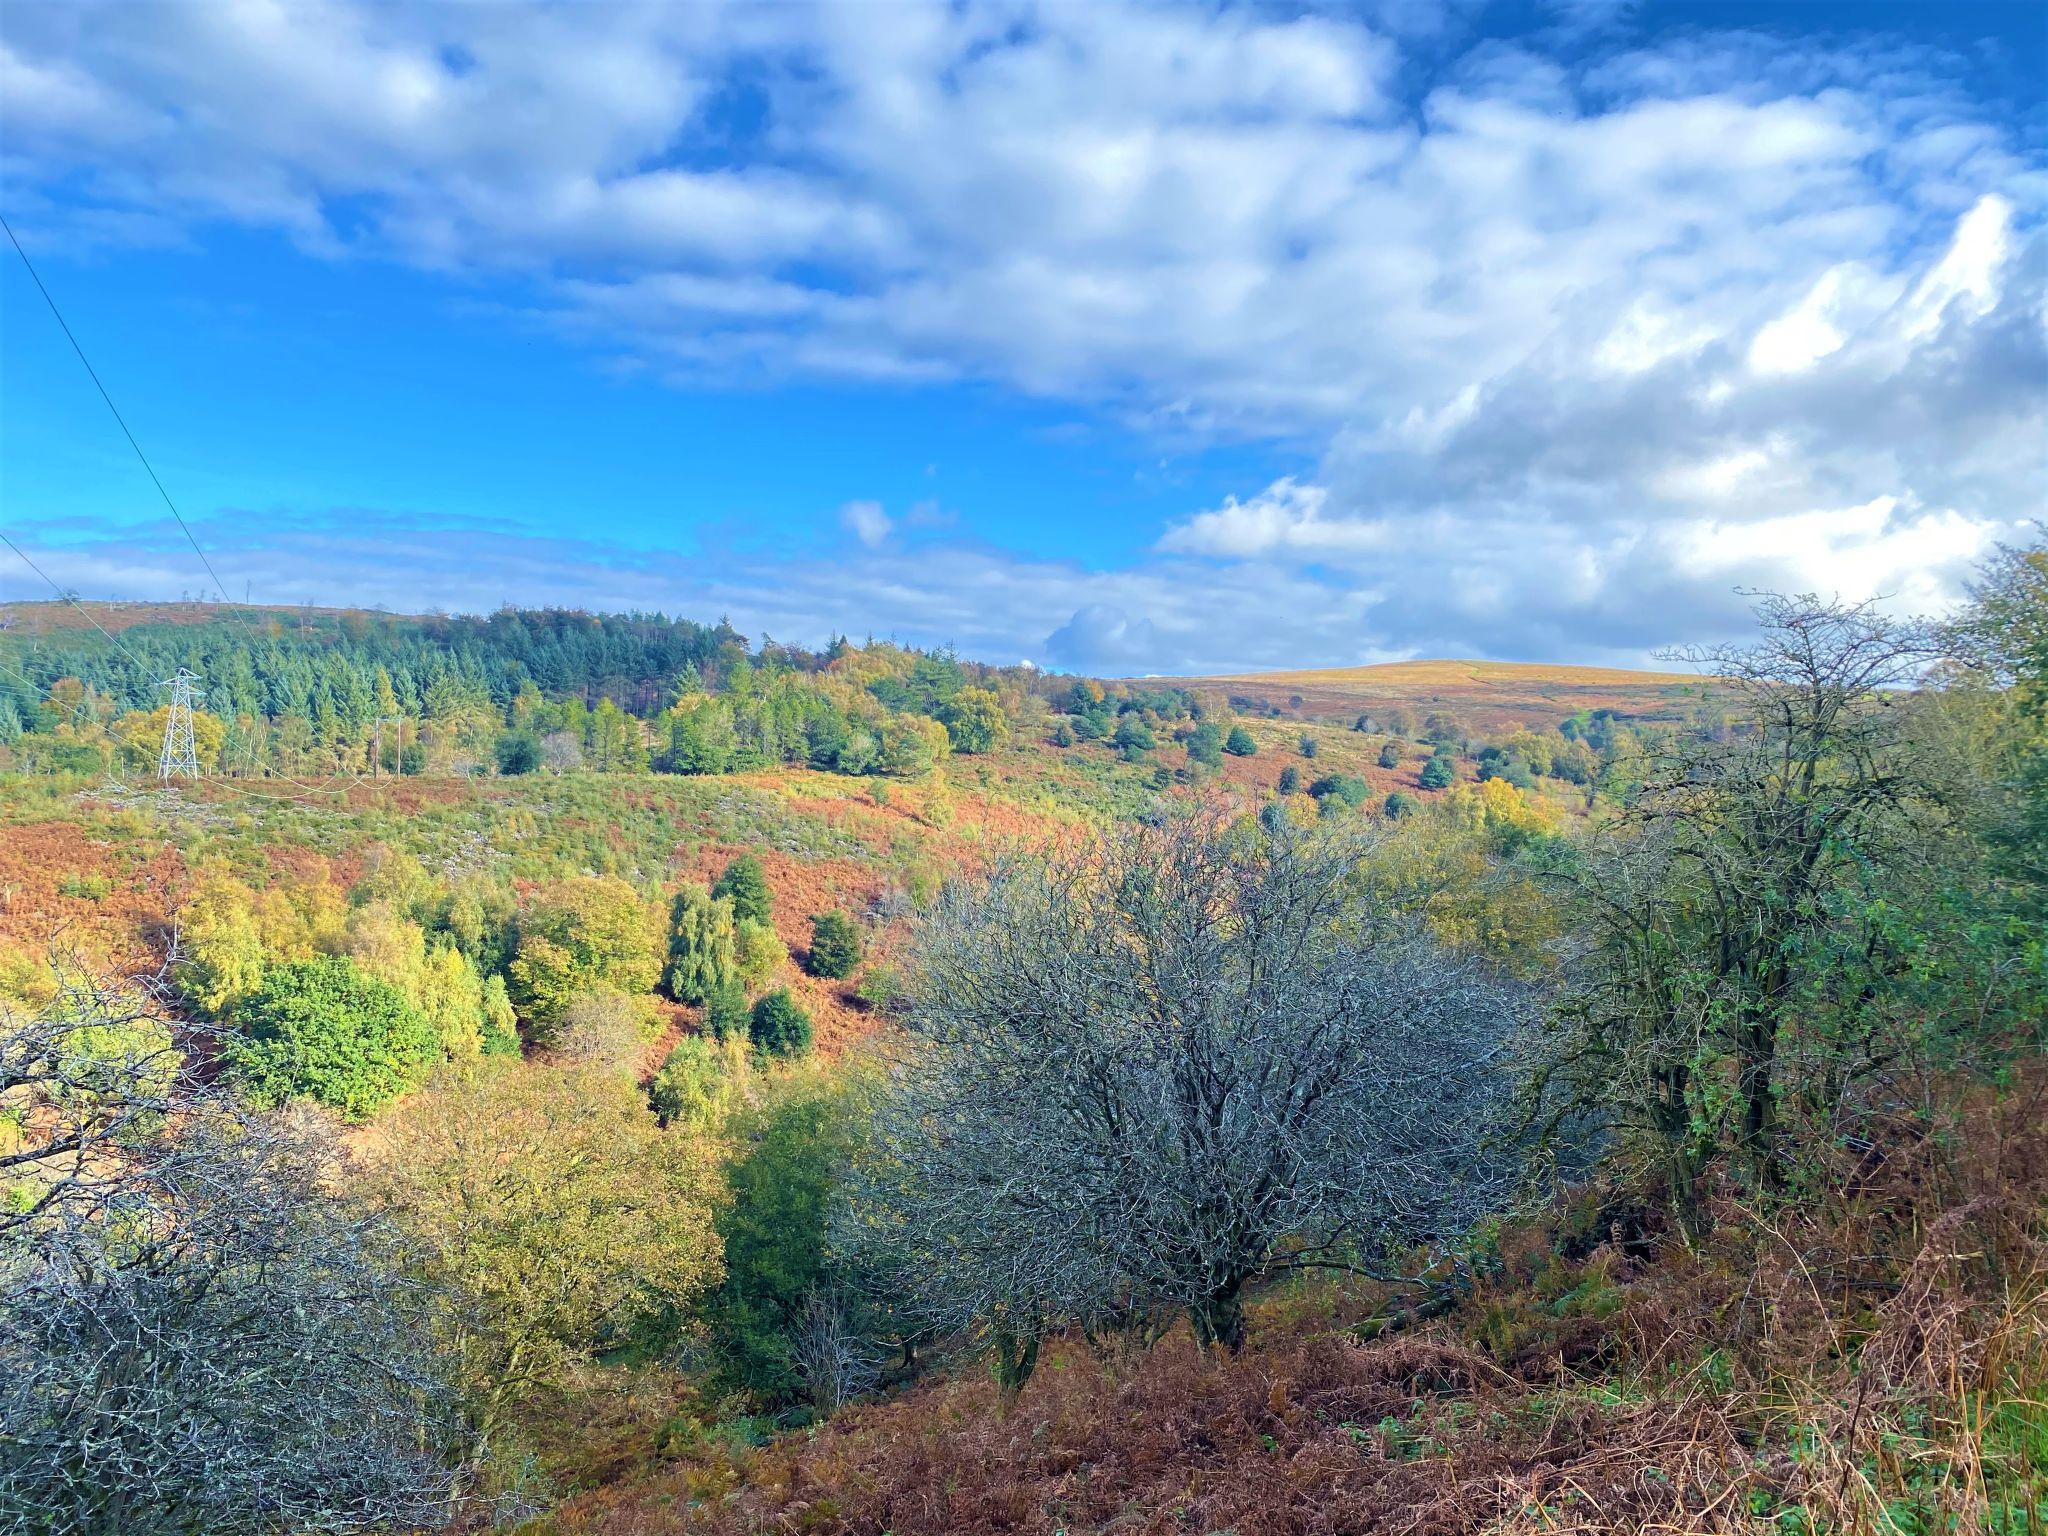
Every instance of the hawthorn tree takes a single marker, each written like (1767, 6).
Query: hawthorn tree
(1746, 911)
(1153, 1071)
(200, 1331)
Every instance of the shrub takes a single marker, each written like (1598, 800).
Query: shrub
(518, 752)
(1347, 789)
(1205, 745)
(1290, 780)
(1308, 746)
(760, 953)
(1133, 735)
(320, 1029)
(1437, 773)
(699, 1083)
(779, 1025)
(835, 945)
(1390, 755)
(1400, 803)
(1516, 773)
(726, 1014)
(746, 887)
(975, 721)
(1239, 743)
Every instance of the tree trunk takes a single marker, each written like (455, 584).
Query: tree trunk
(1219, 1321)
(1016, 1359)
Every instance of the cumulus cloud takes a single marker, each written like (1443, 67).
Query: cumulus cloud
(1573, 334)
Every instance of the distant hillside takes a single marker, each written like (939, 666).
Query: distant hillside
(1493, 698)
(48, 616)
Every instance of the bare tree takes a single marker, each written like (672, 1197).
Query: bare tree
(197, 1333)
(1746, 883)
(1154, 1069)
(834, 1360)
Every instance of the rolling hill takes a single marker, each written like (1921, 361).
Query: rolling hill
(1493, 698)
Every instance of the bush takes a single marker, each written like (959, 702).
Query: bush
(1308, 746)
(1516, 773)
(518, 752)
(835, 946)
(1390, 755)
(1346, 788)
(759, 952)
(1290, 780)
(700, 1081)
(1437, 773)
(779, 1025)
(1400, 803)
(1205, 745)
(726, 1013)
(975, 721)
(1134, 736)
(1239, 743)
(320, 1029)
(746, 887)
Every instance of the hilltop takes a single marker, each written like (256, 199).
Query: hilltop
(1493, 697)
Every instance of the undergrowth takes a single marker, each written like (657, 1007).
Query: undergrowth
(1868, 1360)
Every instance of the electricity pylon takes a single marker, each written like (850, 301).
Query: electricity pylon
(180, 757)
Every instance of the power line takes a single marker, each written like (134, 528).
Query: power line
(72, 600)
(121, 421)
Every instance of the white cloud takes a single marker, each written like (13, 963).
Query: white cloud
(867, 522)
(1546, 330)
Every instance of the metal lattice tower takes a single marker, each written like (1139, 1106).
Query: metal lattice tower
(180, 757)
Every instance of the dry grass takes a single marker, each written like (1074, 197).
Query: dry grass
(1872, 1362)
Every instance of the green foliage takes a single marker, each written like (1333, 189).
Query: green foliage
(779, 1026)
(1133, 737)
(1239, 743)
(1511, 769)
(1290, 780)
(1347, 789)
(702, 955)
(758, 952)
(746, 887)
(517, 752)
(775, 1231)
(835, 945)
(726, 1013)
(700, 1082)
(322, 1030)
(1205, 745)
(1390, 755)
(1438, 773)
(1400, 803)
(1308, 746)
(974, 720)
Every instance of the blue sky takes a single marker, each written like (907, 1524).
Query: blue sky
(1117, 337)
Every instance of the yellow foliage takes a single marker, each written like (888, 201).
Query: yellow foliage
(141, 734)
(1500, 810)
